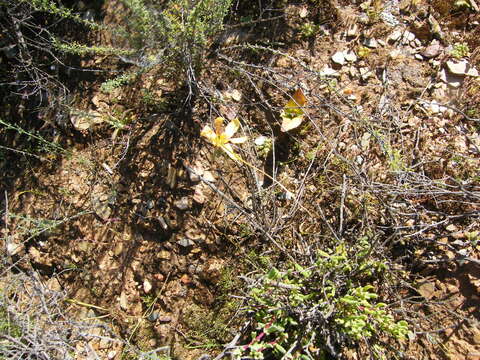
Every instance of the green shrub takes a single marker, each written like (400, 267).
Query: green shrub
(173, 37)
(307, 312)
(460, 50)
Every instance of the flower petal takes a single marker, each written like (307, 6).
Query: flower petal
(291, 123)
(229, 150)
(239, 140)
(208, 133)
(231, 128)
(218, 125)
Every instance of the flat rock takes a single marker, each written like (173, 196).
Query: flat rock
(338, 58)
(395, 36)
(461, 68)
(450, 79)
(185, 243)
(183, 203)
(371, 43)
(329, 72)
(432, 50)
(350, 56)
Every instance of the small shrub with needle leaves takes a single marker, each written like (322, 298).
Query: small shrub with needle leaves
(305, 312)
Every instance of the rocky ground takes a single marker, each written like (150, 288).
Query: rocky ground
(147, 228)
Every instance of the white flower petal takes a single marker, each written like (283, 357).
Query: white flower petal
(231, 128)
(208, 133)
(291, 123)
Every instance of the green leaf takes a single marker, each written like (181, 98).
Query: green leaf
(274, 274)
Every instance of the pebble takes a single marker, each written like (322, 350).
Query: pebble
(183, 203)
(461, 68)
(459, 243)
(83, 246)
(451, 228)
(434, 107)
(408, 36)
(352, 31)
(457, 68)
(159, 277)
(234, 95)
(427, 290)
(153, 316)
(395, 54)
(123, 301)
(388, 18)
(205, 357)
(261, 140)
(185, 279)
(185, 243)
(329, 72)
(338, 58)
(363, 19)
(285, 196)
(14, 249)
(303, 12)
(394, 36)
(208, 176)
(365, 73)
(350, 56)
(147, 286)
(370, 43)
(194, 234)
(165, 319)
(150, 204)
(199, 196)
(462, 252)
(432, 50)
(195, 171)
(163, 222)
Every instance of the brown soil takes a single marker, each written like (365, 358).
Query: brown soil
(159, 251)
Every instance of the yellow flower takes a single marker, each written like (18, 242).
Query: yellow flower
(292, 113)
(224, 139)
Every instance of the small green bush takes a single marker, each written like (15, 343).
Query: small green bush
(306, 312)
(460, 50)
(174, 36)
